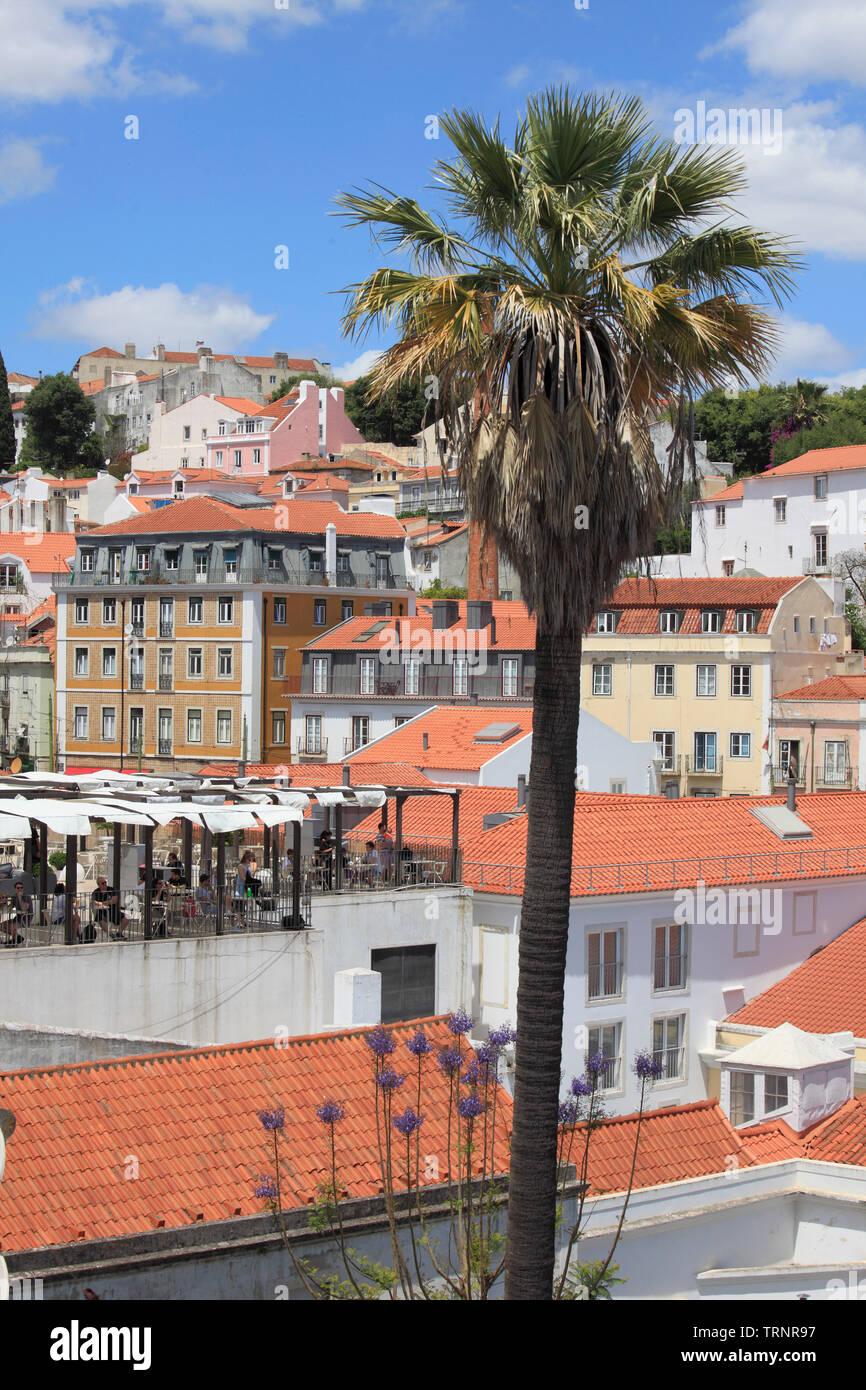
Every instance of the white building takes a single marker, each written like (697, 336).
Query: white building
(177, 436)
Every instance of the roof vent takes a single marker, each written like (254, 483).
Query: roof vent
(425, 741)
(479, 613)
(783, 823)
(496, 733)
(446, 612)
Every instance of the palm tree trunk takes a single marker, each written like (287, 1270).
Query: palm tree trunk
(543, 944)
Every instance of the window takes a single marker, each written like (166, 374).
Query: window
(223, 726)
(819, 541)
(618, 786)
(727, 568)
(606, 1040)
(780, 510)
(664, 741)
(711, 620)
(313, 733)
(796, 624)
(278, 727)
(317, 558)
(237, 454)
(82, 661)
(109, 661)
(705, 680)
(775, 1093)
(669, 957)
(603, 964)
(225, 661)
(720, 514)
(360, 730)
(789, 756)
(279, 666)
(705, 753)
(668, 1036)
(368, 675)
(320, 675)
(742, 1097)
(835, 763)
(199, 563)
(142, 560)
(509, 676)
(87, 561)
(109, 724)
(745, 620)
(136, 729)
(225, 609)
(230, 560)
(319, 613)
(219, 456)
(347, 610)
(109, 612)
(412, 674)
(82, 610)
(741, 745)
(602, 679)
(195, 611)
(343, 561)
(279, 610)
(186, 431)
(257, 456)
(194, 661)
(275, 558)
(669, 620)
(741, 680)
(664, 680)
(193, 726)
(460, 676)
(165, 724)
(401, 719)
(606, 622)
(408, 981)
(81, 716)
(820, 487)
(172, 559)
(812, 626)
(116, 565)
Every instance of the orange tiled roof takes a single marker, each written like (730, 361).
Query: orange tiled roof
(191, 1118)
(732, 493)
(826, 994)
(639, 601)
(385, 774)
(242, 404)
(102, 352)
(821, 461)
(515, 629)
(90, 388)
(832, 688)
(48, 555)
(207, 514)
(451, 738)
(324, 482)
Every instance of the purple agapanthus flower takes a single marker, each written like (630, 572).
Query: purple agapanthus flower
(273, 1119)
(475, 1074)
(389, 1080)
(450, 1060)
(470, 1107)
(265, 1188)
(488, 1055)
(459, 1022)
(330, 1112)
(419, 1045)
(596, 1063)
(408, 1122)
(380, 1041)
(647, 1067)
(502, 1036)
(569, 1112)
(580, 1086)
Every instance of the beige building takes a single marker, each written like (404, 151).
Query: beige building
(694, 665)
(112, 367)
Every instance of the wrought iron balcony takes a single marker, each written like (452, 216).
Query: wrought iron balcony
(316, 748)
(135, 744)
(840, 778)
(811, 566)
(164, 747)
(433, 682)
(709, 765)
(670, 767)
(136, 680)
(780, 777)
(166, 629)
(166, 680)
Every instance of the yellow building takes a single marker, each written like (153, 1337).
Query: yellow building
(694, 664)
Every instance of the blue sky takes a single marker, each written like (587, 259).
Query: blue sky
(253, 113)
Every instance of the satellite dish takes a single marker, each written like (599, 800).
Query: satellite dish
(129, 629)
(15, 765)
(10, 642)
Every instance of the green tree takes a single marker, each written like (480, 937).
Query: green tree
(394, 416)
(60, 421)
(803, 405)
(289, 383)
(738, 427)
(589, 271)
(7, 428)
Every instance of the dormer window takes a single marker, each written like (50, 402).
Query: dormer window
(711, 620)
(87, 561)
(742, 1097)
(221, 428)
(670, 620)
(746, 620)
(606, 621)
(775, 1093)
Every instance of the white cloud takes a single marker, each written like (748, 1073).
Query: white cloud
(76, 312)
(23, 171)
(802, 39)
(807, 349)
(519, 76)
(350, 371)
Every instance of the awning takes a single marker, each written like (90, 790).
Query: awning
(59, 816)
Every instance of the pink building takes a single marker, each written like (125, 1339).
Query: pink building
(820, 730)
(310, 420)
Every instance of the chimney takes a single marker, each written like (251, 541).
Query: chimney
(479, 613)
(792, 790)
(483, 576)
(446, 612)
(425, 741)
(521, 791)
(205, 351)
(347, 776)
(129, 350)
(357, 998)
(281, 361)
(160, 352)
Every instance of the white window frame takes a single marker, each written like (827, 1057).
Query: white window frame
(220, 723)
(709, 671)
(602, 678)
(742, 675)
(664, 667)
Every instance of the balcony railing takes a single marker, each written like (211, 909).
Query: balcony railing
(672, 766)
(136, 680)
(436, 683)
(351, 745)
(830, 777)
(218, 577)
(166, 629)
(780, 777)
(605, 979)
(135, 743)
(671, 1059)
(313, 748)
(709, 765)
(166, 680)
(137, 628)
(164, 746)
(812, 566)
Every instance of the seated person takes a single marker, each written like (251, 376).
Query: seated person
(105, 908)
(372, 865)
(205, 899)
(175, 870)
(58, 909)
(20, 914)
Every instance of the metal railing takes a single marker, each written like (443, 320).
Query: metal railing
(430, 684)
(313, 748)
(671, 1059)
(351, 745)
(166, 680)
(217, 576)
(670, 972)
(670, 767)
(136, 680)
(164, 747)
(834, 776)
(166, 629)
(710, 765)
(780, 777)
(811, 566)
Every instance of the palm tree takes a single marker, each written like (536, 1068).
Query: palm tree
(802, 406)
(590, 272)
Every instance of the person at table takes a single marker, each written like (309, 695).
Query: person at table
(205, 900)
(20, 915)
(58, 909)
(325, 855)
(174, 866)
(105, 910)
(370, 862)
(385, 846)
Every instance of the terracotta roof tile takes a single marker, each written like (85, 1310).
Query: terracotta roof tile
(207, 514)
(821, 461)
(451, 739)
(732, 493)
(191, 1118)
(833, 688)
(515, 629)
(47, 555)
(386, 774)
(639, 601)
(826, 994)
